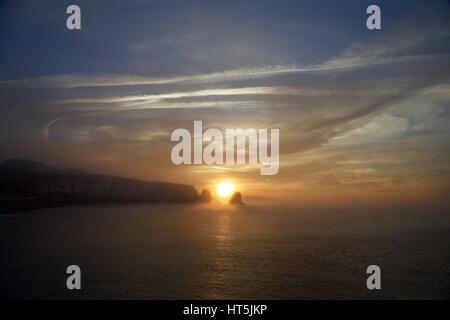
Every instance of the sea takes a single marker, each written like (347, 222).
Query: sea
(262, 250)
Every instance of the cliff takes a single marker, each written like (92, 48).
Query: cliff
(26, 183)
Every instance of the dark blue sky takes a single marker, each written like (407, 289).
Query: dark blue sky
(171, 37)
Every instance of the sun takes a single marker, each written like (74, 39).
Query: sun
(224, 189)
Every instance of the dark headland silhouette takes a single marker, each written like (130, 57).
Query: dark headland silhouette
(27, 184)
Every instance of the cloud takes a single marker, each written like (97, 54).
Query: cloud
(106, 80)
(358, 56)
(239, 91)
(381, 126)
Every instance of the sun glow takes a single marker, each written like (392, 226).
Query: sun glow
(224, 189)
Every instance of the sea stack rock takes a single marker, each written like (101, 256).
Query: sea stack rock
(205, 196)
(236, 198)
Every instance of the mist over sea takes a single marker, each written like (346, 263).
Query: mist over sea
(265, 250)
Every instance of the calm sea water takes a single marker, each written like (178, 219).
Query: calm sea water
(261, 251)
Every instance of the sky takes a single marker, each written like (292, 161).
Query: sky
(363, 114)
